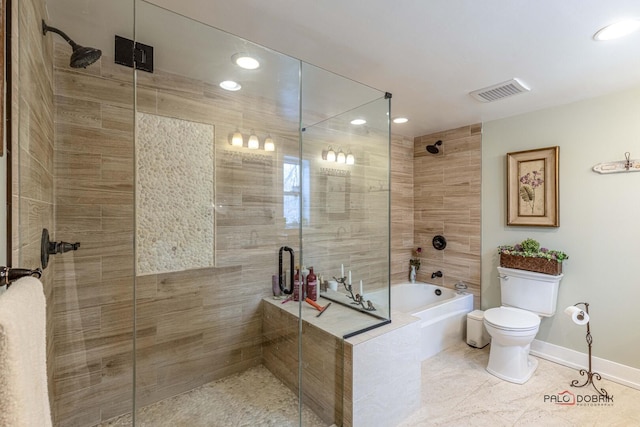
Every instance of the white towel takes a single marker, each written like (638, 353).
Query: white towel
(24, 399)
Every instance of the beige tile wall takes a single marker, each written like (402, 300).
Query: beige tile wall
(31, 147)
(447, 202)
(323, 380)
(93, 287)
(401, 207)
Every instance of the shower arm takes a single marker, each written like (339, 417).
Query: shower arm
(46, 28)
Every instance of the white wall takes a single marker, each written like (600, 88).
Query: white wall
(599, 218)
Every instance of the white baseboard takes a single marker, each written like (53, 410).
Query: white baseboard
(612, 371)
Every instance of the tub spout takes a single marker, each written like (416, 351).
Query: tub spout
(461, 287)
(436, 274)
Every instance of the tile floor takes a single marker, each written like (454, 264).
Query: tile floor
(249, 399)
(457, 391)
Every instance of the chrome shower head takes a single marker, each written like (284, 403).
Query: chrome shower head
(433, 149)
(82, 56)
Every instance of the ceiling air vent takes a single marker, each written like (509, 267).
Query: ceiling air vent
(499, 91)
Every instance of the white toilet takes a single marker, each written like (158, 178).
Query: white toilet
(526, 296)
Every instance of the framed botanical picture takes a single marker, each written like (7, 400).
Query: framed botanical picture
(532, 187)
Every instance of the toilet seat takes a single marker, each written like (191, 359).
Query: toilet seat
(511, 319)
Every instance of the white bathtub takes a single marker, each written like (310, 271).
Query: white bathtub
(443, 317)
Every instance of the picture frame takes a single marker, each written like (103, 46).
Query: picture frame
(532, 187)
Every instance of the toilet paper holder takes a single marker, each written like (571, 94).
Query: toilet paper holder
(590, 374)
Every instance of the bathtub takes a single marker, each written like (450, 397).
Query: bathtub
(443, 317)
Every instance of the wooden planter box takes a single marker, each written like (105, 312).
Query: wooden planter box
(539, 265)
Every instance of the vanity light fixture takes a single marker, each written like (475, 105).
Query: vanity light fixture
(341, 157)
(237, 140)
(617, 30)
(331, 155)
(358, 121)
(400, 120)
(246, 61)
(269, 145)
(230, 85)
(350, 159)
(254, 142)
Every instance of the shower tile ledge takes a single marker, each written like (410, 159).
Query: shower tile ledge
(382, 366)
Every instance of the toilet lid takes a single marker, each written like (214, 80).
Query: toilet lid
(511, 318)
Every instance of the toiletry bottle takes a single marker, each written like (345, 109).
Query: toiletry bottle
(312, 285)
(275, 286)
(296, 285)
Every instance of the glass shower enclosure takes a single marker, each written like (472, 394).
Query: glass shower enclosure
(183, 191)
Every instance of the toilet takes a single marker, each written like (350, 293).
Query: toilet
(526, 296)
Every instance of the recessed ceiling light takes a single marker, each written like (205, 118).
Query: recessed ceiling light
(617, 30)
(400, 120)
(246, 61)
(358, 121)
(230, 85)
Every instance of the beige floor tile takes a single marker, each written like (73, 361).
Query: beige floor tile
(458, 391)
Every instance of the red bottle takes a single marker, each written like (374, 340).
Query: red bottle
(312, 285)
(296, 285)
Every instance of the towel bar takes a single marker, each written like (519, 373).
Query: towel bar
(8, 274)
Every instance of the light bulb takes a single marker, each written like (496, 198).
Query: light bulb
(237, 140)
(244, 60)
(254, 143)
(350, 159)
(269, 145)
(230, 85)
(331, 155)
(617, 30)
(341, 157)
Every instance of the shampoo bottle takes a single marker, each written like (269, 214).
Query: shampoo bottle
(312, 285)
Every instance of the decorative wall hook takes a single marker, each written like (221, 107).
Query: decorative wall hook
(626, 165)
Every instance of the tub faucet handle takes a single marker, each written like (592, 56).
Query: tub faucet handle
(436, 274)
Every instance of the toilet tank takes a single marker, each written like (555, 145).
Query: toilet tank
(528, 290)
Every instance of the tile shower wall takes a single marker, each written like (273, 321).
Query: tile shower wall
(31, 148)
(401, 207)
(93, 287)
(447, 202)
(175, 201)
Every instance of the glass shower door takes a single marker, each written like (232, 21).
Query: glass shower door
(217, 195)
(74, 172)
(345, 233)
(232, 172)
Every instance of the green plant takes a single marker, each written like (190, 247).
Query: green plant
(531, 248)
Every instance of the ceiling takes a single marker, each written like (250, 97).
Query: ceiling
(428, 54)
